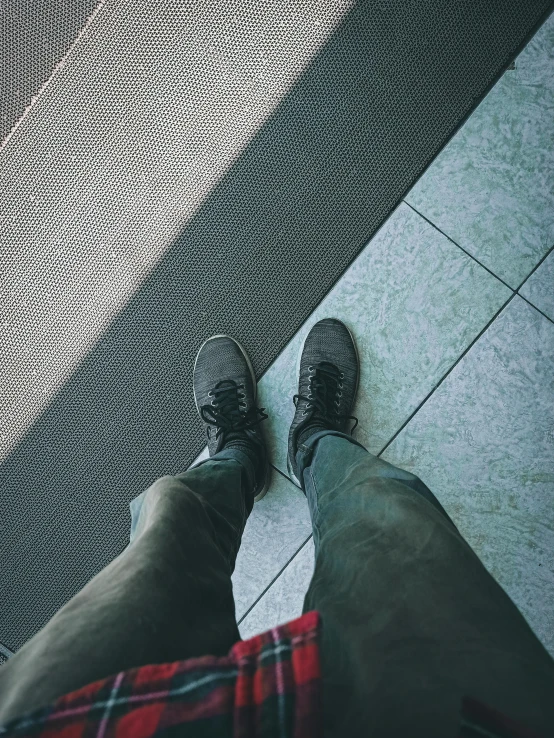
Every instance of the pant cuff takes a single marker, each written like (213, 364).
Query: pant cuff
(241, 456)
(305, 451)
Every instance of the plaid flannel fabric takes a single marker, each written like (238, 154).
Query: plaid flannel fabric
(267, 687)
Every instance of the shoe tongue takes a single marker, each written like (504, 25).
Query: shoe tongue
(236, 436)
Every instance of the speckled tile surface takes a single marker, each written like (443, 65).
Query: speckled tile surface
(539, 288)
(278, 525)
(414, 302)
(484, 444)
(285, 599)
(491, 188)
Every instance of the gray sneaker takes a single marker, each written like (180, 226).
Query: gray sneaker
(225, 394)
(328, 377)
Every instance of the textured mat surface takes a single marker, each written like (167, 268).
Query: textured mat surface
(194, 170)
(34, 38)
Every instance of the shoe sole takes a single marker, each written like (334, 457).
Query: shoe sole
(254, 384)
(292, 475)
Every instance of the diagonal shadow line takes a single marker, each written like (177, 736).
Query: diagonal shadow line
(342, 149)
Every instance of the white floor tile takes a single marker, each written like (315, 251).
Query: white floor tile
(491, 187)
(278, 525)
(285, 599)
(414, 302)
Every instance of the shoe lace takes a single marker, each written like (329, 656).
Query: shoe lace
(324, 386)
(226, 409)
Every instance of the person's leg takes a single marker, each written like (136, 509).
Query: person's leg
(411, 620)
(168, 596)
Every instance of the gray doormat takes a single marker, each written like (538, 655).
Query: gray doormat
(360, 125)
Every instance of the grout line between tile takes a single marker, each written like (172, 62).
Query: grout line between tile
(535, 308)
(550, 250)
(460, 247)
(418, 408)
(274, 580)
(282, 473)
(514, 292)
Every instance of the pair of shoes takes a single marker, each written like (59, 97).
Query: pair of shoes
(225, 395)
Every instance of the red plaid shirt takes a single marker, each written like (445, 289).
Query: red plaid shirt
(267, 687)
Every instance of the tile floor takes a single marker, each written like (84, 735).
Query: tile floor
(452, 307)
